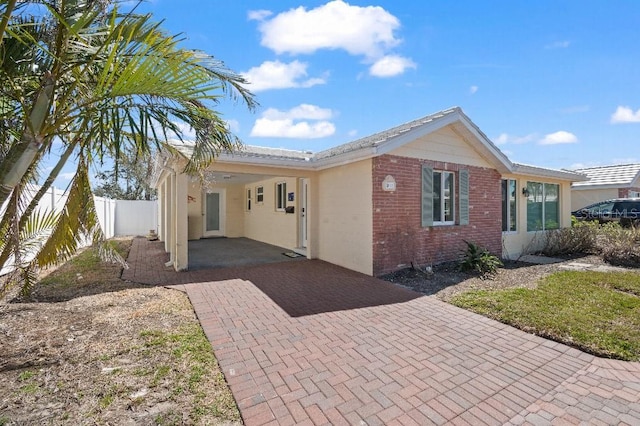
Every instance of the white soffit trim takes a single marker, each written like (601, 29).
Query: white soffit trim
(535, 171)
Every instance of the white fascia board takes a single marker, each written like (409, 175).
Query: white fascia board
(265, 161)
(345, 158)
(504, 165)
(548, 173)
(596, 186)
(325, 163)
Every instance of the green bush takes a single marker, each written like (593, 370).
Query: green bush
(479, 260)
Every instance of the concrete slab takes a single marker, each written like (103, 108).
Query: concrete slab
(210, 253)
(539, 260)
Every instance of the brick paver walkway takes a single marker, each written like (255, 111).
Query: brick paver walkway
(311, 343)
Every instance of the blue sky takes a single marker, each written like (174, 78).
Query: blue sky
(553, 83)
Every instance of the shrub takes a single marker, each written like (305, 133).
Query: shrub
(478, 259)
(582, 237)
(620, 246)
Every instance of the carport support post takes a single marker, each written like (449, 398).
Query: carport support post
(168, 217)
(181, 259)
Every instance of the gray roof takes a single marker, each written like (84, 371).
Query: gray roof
(378, 138)
(619, 175)
(377, 143)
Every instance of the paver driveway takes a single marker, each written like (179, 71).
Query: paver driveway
(310, 343)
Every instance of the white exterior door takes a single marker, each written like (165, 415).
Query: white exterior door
(303, 209)
(214, 208)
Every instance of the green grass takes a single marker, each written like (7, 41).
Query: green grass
(190, 346)
(86, 264)
(594, 311)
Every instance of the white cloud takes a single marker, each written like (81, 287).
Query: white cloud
(505, 138)
(562, 44)
(352, 133)
(366, 31)
(390, 66)
(303, 122)
(560, 137)
(279, 75)
(301, 112)
(258, 15)
(188, 134)
(624, 114)
(233, 125)
(473, 90)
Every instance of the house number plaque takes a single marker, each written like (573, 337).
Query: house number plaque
(389, 183)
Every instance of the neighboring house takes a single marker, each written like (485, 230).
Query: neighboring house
(413, 193)
(605, 183)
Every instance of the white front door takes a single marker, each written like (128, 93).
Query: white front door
(214, 208)
(303, 209)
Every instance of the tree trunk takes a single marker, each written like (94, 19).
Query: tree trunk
(21, 155)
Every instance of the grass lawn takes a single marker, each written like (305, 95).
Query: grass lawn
(594, 311)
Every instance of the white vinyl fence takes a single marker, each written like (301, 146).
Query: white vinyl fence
(116, 217)
(135, 217)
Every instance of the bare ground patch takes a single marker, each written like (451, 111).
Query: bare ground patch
(105, 351)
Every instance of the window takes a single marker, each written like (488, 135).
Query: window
(509, 210)
(443, 198)
(440, 199)
(634, 194)
(543, 206)
(259, 194)
(248, 199)
(281, 196)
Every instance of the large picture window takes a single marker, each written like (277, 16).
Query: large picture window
(509, 205)
(543, 206)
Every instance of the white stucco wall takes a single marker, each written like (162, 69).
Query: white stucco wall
(345, 217)
(264, 223)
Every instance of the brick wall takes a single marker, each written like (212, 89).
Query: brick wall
(624, 192)
(399, 238)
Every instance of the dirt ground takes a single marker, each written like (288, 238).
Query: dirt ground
(108, 352)
(446, 281)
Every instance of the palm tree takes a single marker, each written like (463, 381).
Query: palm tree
(98, 83)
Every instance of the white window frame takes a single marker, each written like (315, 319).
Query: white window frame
(281, 196)
(633, 194)
(452, 196)
(259, 194)
(510, 214)
(248, 200)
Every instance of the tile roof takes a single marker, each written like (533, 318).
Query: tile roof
(615, 175)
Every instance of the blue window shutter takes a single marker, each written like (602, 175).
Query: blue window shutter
(427, 196)
(464, 197)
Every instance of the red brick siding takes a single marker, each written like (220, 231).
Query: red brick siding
(624, 192)
(399, 238)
